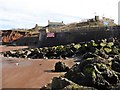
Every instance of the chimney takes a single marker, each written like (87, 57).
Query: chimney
(96, 18)
(48, 21)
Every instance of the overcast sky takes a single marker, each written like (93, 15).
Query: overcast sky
(27, 13)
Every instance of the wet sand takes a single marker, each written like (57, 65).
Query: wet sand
(0, 74)
(4, 48)
(22, 73)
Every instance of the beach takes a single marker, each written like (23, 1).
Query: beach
(24, 73)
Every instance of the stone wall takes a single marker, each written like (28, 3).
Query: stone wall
(27, 41)
(79, 35)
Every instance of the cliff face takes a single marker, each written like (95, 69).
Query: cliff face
(8, 36)
(14, 34)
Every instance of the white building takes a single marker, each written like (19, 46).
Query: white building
(55, 24)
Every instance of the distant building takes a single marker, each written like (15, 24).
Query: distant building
(37, 27)
(52, 25)
(119, 12)
(55, 24)
(96, 21)
(107, 21)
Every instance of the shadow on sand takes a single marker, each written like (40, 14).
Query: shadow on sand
(51, 71)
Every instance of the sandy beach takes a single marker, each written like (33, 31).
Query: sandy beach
(25, 73)
(8, 48)
(22, 73)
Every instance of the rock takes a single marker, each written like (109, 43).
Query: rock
(88, 55)
(110, 76)
(93, 73)
(116, 64)
(46, 87)
(61, 67)
(78, 87)
(16, 64)
(59, 83)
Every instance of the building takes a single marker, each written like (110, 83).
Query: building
(107, 21)
(52, 25)
(56, 33)
(55, 24)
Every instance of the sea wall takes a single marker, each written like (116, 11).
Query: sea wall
(77, 35)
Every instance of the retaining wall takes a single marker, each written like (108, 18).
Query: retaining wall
(77, 35)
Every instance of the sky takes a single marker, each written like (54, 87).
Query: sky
(27, 13)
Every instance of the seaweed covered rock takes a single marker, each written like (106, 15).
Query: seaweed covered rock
(93, 73)
(78, 87)
(116, 63)
(88, 55)
(61, 67)
(90, 49)
(59, 83)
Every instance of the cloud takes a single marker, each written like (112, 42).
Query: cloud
(26, 13)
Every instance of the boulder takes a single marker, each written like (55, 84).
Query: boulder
(59, 83)
(93, 73)
(61, 67)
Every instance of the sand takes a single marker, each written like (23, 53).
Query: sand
(23, 73)
(4, 48)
